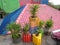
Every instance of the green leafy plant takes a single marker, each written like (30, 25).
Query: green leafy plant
(34, 9)
(39, 30)
(26, 28)
(15, 29)
(49, 24)
(41, 24)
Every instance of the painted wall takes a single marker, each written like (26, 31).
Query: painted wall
(23, 2)
(44, 2)
(36, 1)
(10, 5)
(1, 4)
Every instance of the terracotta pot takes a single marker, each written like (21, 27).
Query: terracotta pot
(26, 37)
(34, 21)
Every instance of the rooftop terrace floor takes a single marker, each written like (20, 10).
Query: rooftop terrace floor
(6, 40)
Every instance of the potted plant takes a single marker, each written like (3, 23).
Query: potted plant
(38, 31)
(26, 35)
(41, 24)
(34, 20)
(26, 29)
(37, 38)
(15, 29)
(48, 25)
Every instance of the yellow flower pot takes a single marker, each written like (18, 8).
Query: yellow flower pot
(34, 21)
(37, 39)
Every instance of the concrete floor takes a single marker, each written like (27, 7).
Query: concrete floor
(47, 40)
(6, 40)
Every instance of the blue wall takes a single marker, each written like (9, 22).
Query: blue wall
(44, 2)
(8, 19)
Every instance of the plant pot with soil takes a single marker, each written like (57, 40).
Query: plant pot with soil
(48, 25)
(15, 32)
(26, 37)
(37, 38)
(38, 31)
(41, 25)
(33, 19)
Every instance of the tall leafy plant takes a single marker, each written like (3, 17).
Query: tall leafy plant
(34, 9)
(49, 24)
(41, 24)
(39, 30)
(26, 28)
(15, 29)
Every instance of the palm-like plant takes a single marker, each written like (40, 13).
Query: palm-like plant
(49, 24)
(39, 30)
(34, 9)
(15, 29)
(26, 28)
(41, 24)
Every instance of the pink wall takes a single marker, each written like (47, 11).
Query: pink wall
(24, 2)
(36, 1)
